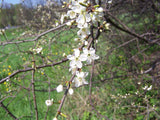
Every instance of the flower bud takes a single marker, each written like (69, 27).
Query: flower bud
(59, 88)
(70, 91)
(55, 118)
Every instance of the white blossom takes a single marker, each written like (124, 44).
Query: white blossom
(77, 8)
(38, 50)
(100, 9)
(107, 26)
(89, 55)
(110, 1)
(85, 42)
(145, 88)
(7, 80)
(59, 88)
(71, 14)
(63, 16)
(80, 25)
(139, 83)
(96, 16)
(83, 32)
(57, 23)
(2, 31)
(55, 118)
(64, 55)
(83, 20)
(73, 68)
(70, 91)
(149, 88)
(75, 59)
(76, 39)
(69, 23)
(80, 78)
(49, 102)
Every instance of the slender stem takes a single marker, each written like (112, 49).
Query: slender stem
(37, 37)
(33, 90)
(30, 69)
(46, 113)
(49, 90)
(65, 94)
(90, 82)
(6, 109)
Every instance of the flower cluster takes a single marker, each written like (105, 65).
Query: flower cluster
(82, 14)
(76, 62)
(37, 50)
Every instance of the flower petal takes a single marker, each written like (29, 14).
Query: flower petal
(85, 50)
(92, 51)
(72, 63)
(83, 57)
(70, 57)
(95, 57)
(79, 64)
(76, 52)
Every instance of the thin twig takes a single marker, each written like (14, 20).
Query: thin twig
(124, 28)
(65, 94)
(33, 90)
(30, 69)
(6, 109)
(37, 37)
